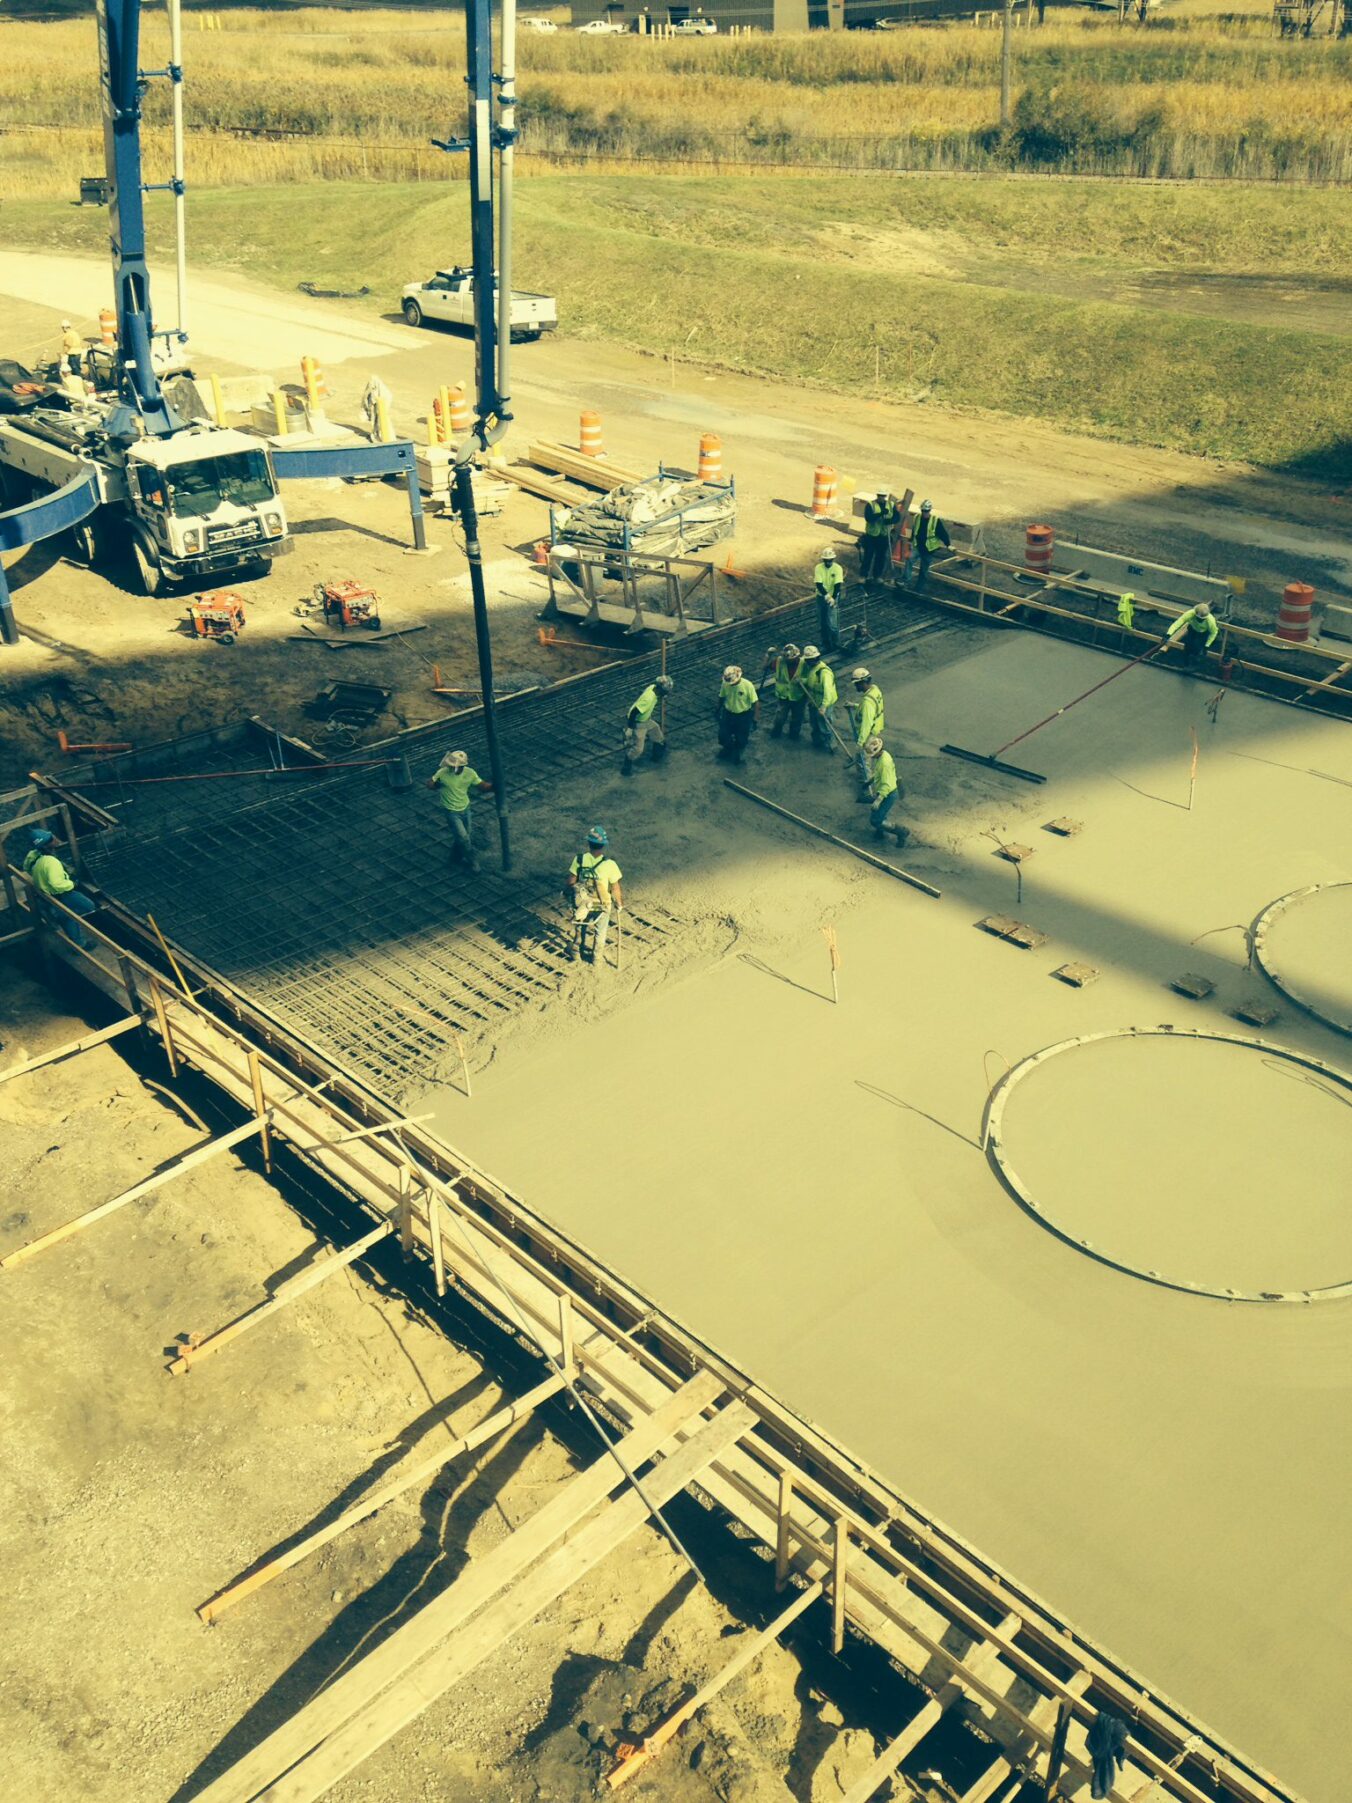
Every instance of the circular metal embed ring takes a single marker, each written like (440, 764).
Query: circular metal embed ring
(1158, 1166)
(1334, 1010)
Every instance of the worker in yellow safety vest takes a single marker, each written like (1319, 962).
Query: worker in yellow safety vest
(1126, 610)
(883, 790)
(875, 548)
(458, 785)
(738, 712)
(642, 723)
(1198, 629)
(54, 882)
(72, 348)
(595, 886)
(830, 580)
(790, 696)
(930, 535)
(870, 719)
(819, 684)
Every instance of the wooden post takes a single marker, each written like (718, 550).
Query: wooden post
(566, 1362)
(134, 1001)
(1057, 1752)
(434, 1234)
(782, 1530)
(405, 1210)
(72, 843)
(840, 1553)
(260, 1109)
(162, 1021)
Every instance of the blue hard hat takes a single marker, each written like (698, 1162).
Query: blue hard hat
(40, 836)
(597, 836)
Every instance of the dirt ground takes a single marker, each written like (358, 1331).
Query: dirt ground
(131, 1496)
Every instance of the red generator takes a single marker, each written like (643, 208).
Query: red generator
(349, 604)
(218, 616)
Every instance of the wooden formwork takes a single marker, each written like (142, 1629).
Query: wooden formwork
(982, 1646)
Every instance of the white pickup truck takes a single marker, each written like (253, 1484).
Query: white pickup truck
(449, 298)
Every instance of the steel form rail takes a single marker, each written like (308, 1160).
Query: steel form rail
(900, 1579)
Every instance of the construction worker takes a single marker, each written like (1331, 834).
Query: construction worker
(72, 348)
(819, 685)
(790, 695)
(930, 534)
(875, 548)
(595, 885)
(830, 580)
(641, 724)
(373, 396)
(883, 790)
(1126, 610)
(458, 785)
(867, 713)
(738, 712)
(54, 882)
(1198, 629)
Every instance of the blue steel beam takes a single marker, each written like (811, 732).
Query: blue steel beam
(43, 518)
(396, 459)
(121, 82)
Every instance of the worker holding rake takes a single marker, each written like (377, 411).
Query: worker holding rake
(819, 685)
(595, 887)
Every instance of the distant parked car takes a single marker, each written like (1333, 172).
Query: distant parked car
(694, 28)
(537, 25)
(600, 28)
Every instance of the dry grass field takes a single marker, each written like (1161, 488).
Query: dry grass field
(359, 95)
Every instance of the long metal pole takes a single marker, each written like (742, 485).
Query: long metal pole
(1006, 20)
(180, 205)
(469, 521)
(506, 170)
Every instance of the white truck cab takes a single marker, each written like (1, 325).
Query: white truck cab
(202, 502)
(448, 298)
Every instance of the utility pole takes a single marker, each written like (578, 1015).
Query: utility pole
(1006, 21)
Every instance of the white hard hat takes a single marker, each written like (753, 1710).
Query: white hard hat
(665, 683)
(828, 553)
(811, 651)
(455, 760)
(792, 651)
(1203, 610)
(65, 325)
(860, 674)
(733, 673)
(873, 746)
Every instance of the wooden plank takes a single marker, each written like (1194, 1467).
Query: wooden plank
(260, 1110)
(840, 1579)
(512, 1610)
(751, 1648)
(537, 485)
(83, 1044)
(195, 1349)
(926, 1719)
(470, 1441)
(198, 1155)
(356, 1687)
(995, 1774)
(1328, 682)
(162, 1022)
(434, 1206)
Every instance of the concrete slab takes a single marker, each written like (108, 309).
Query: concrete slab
(802, 1183)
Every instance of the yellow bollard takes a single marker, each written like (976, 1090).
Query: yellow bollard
(444, 397)
(384, 430)
(433, 436)
(312, 375)
(279, 411)
(217, 401)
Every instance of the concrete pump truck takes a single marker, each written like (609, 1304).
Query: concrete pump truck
(184, 497)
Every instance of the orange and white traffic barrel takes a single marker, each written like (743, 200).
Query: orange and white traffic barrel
(823, 489)
(589, 439)
(1039, 543)
(710, 458)
(108, 328)
(462, 415)
(1294, 614)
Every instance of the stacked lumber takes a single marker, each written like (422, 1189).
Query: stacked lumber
(566, 460)
(535, 484)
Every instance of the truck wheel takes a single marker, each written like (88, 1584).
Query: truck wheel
(148, 569)
(413, 313)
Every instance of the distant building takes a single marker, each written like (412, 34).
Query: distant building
(777, 15)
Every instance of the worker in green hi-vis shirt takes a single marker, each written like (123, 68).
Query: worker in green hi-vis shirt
(458, 785)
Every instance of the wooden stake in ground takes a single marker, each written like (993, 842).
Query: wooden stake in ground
(1192, 774)
(464, 1065)
(164, 947)
(829, 935)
